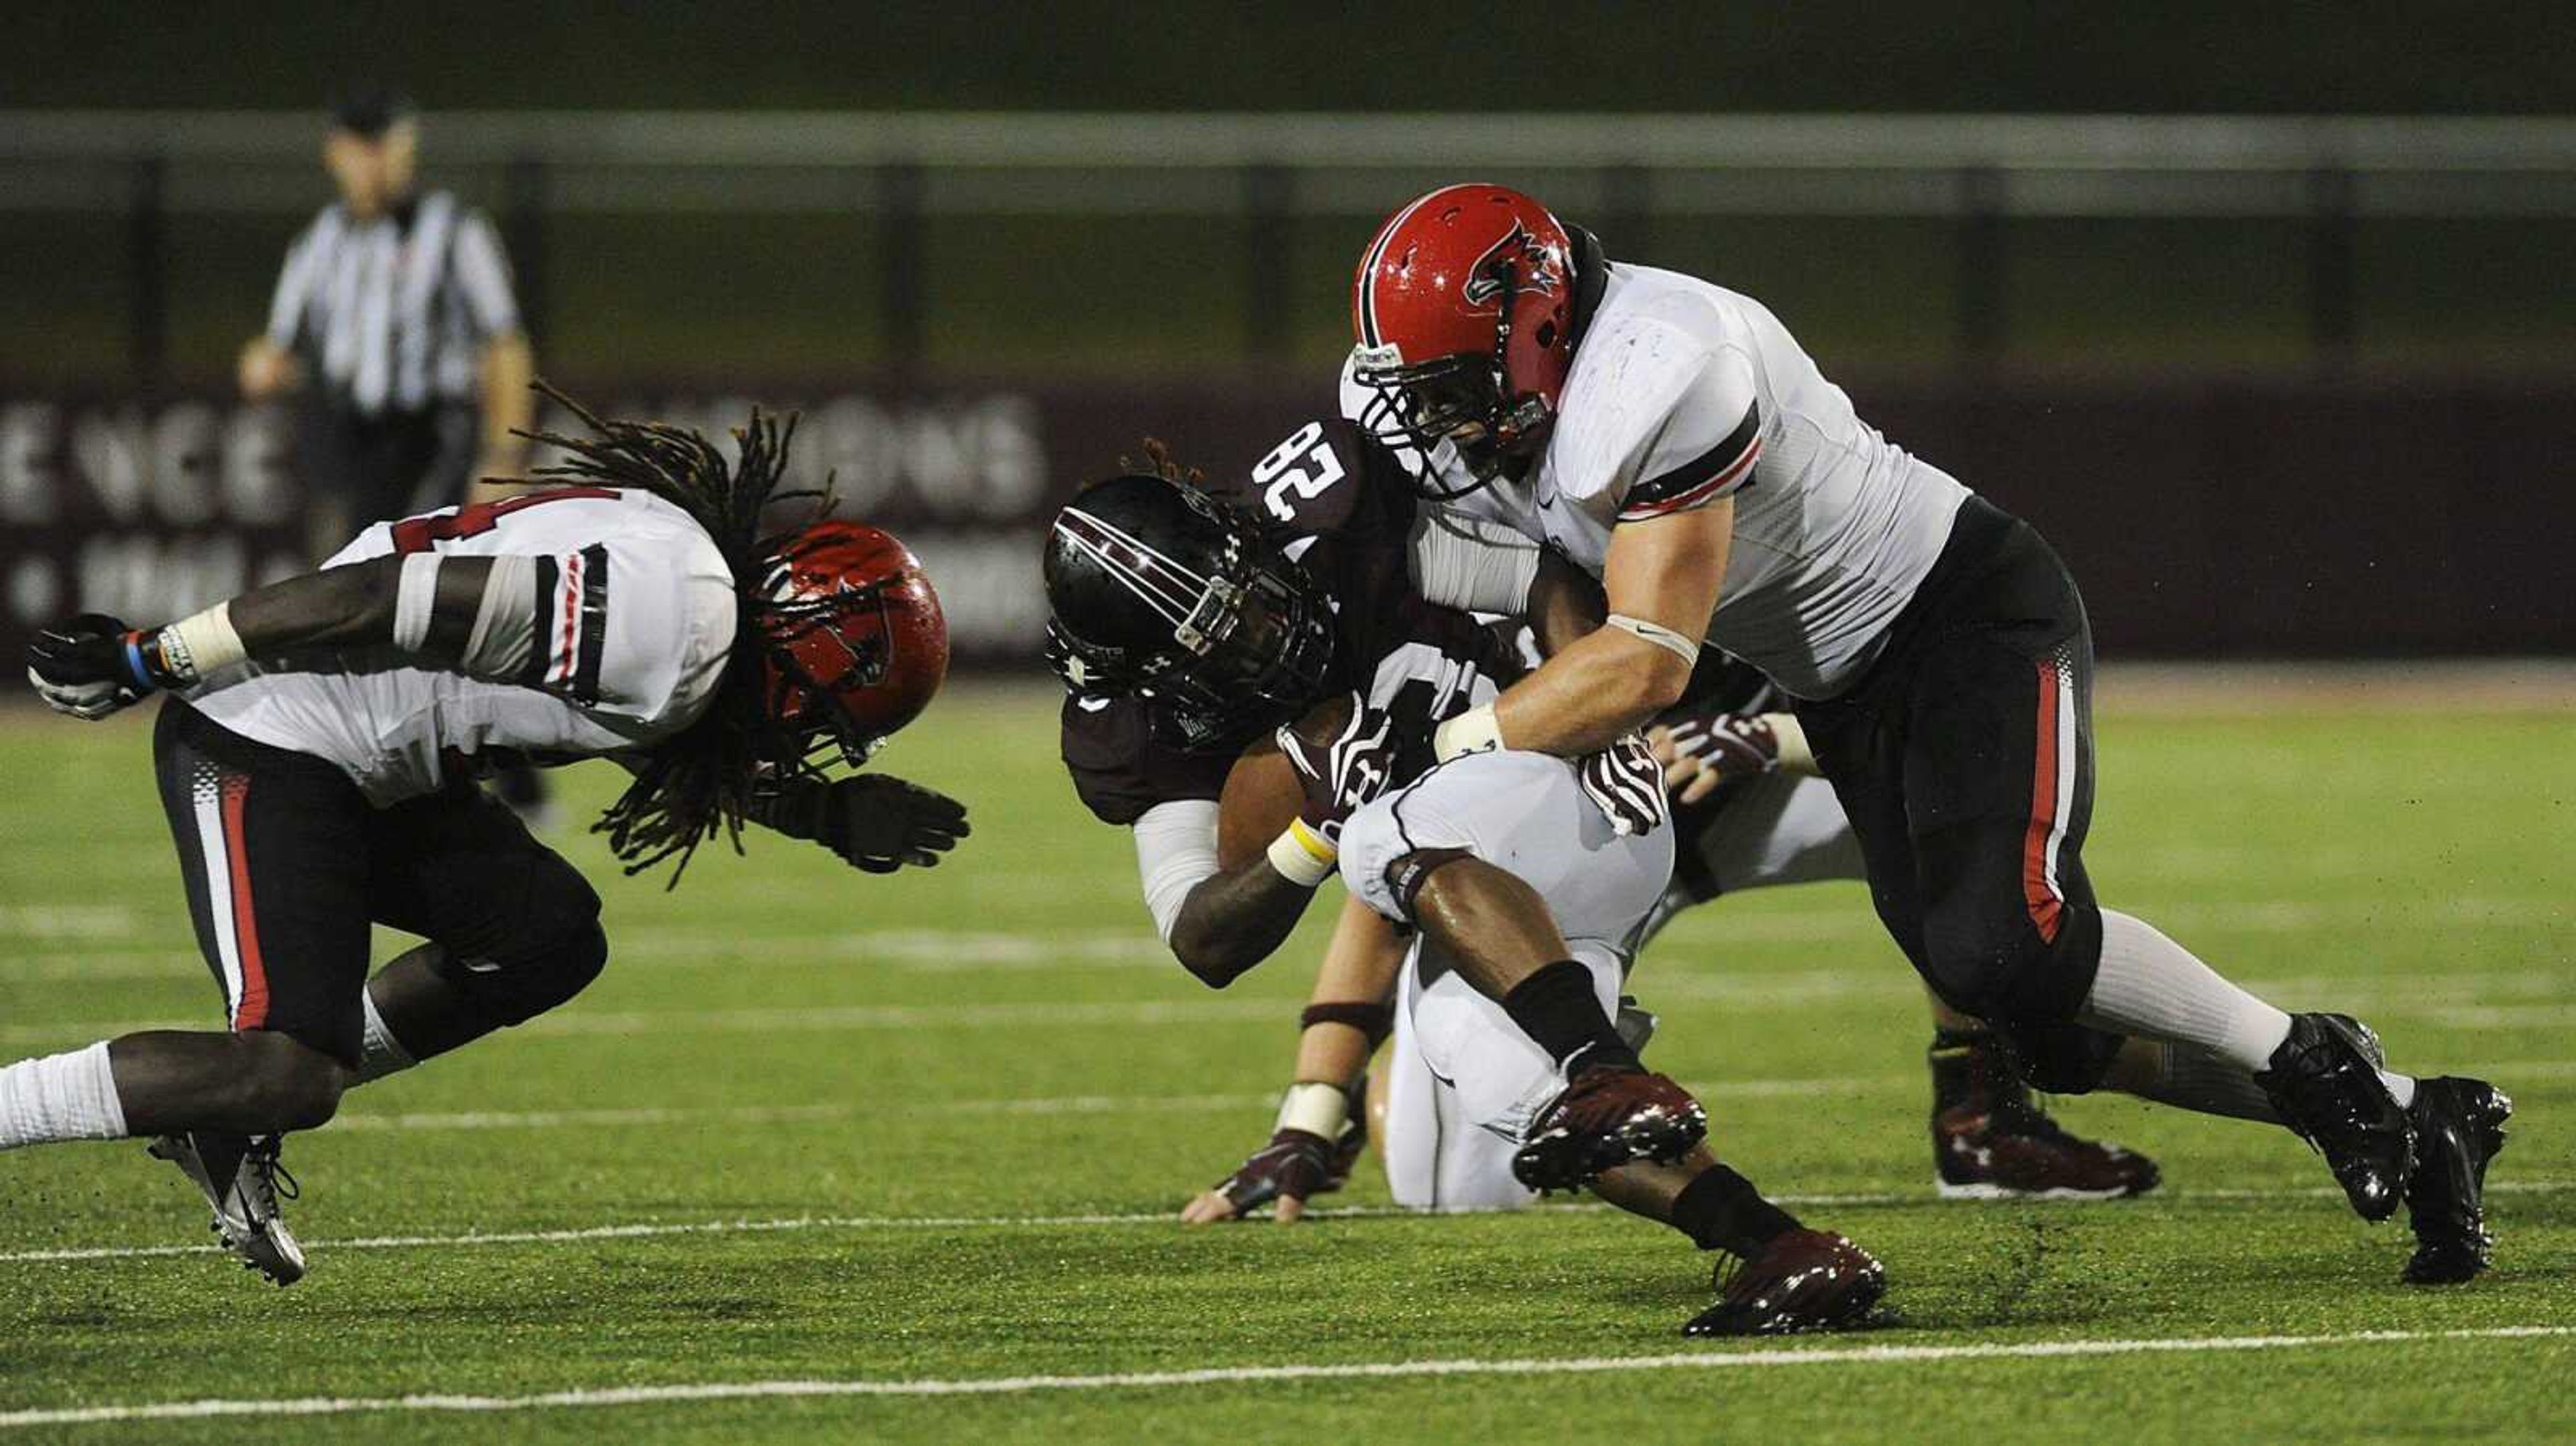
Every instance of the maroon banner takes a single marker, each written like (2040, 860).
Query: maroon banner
(2236, 519)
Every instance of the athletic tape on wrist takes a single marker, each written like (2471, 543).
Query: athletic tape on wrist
(1795, 755)
(1302, 856)
(1659, 635)
(1477, 730)
(414, 596)
(202, 644)
(1318, 1109)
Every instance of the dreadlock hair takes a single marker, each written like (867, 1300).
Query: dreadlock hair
(709, 775)
(1160, 463)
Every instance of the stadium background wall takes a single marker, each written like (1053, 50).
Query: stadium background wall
(2217, 519)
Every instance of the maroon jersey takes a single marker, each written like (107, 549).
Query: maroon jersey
(1341, 508)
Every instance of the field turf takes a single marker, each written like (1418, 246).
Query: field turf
(915, 1142)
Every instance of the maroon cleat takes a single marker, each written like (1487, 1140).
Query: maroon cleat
(1804, 1280)
(1992, 1141)
(1606, 1118)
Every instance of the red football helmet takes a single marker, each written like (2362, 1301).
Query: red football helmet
(1463, 308)
(857, 643)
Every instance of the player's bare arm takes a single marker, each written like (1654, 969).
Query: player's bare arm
(1660, 584)
(509, 409)
(1278, 820)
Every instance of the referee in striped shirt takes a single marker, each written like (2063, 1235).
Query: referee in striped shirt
(396, 304)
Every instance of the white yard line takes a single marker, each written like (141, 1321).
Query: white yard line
(655, 1229)
(1253, 1375)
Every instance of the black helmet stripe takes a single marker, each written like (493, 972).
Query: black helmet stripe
(1163, 584)
(1376, 254)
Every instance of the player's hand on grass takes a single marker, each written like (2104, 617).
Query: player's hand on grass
(1703, 752)
(1340, 767)
(83, 667)
(1295, 1164)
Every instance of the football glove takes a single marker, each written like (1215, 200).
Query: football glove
(1701, 752)
(1342, 774)
(874, 821)
(89, 667)
(1625, 782)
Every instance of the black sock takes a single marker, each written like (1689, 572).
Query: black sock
(1953, 1057)
(1557, 1009)
(1720, 1210)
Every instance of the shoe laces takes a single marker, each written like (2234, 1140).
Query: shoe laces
(264, 1164)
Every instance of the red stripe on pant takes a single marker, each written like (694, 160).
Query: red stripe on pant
(2036, 891)
(253, 1010)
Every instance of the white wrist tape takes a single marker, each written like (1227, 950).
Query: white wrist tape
(1302, 856)
(1477, 730)
(1795, 755)
(1471, 564)
(505, 624)
(414, 596)
(203, 643)
(1318, 1109)
(1659, 635)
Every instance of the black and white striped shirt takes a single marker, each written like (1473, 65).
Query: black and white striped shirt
(394, 312)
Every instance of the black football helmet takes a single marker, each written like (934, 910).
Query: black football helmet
(1156, 588)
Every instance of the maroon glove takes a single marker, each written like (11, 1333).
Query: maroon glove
(1627, 783)
(1733, 745)
(1295, 1164)
(1339, 774)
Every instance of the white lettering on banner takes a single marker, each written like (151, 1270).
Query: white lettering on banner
(35, 591)
(257, 480)
(27, 432)
(182, 444)
(109, 447)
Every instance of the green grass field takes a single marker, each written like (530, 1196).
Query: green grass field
(915, 1141)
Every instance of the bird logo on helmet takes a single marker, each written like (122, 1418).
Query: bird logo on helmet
(855, 642)
(1462, 311)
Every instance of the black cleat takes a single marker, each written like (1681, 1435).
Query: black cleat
(1607, 1118)
(2324, 1081)
(1804, 1280)
(2459, 1127)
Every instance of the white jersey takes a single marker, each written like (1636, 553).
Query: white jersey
(1683, 392)
(634, 618)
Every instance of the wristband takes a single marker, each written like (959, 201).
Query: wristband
(1302, 856)
(195, 646)
(1475, 731)
(1795, 755)
(1318, 1109)
(1657, 634)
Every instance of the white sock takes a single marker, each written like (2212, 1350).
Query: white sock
(2150, 985)
(379, 1053)
(60, 1097)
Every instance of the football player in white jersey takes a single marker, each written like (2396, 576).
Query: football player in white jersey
(1670, 436)
(317, 749)
(1233, 685)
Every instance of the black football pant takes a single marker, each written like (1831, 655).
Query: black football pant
(1964, 759)
(287, 866)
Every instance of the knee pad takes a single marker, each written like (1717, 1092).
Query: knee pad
(531, 977)
(1999, 967)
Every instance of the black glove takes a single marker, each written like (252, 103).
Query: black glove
(874, 821)
(84, 667)
(1339, 775)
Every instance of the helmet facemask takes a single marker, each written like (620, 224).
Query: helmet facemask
(1464, 400)
(821, 649)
